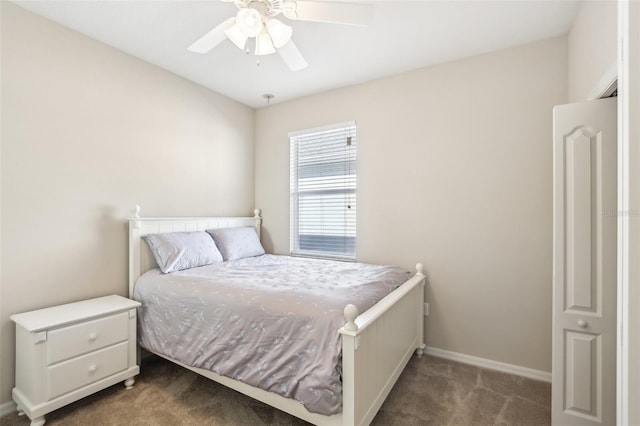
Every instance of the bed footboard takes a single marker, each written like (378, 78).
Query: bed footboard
(376, 347)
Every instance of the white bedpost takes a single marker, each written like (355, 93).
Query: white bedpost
(350, 314)
(349, 373)
(258, 218)
(136, 215)
(134, 272)
(134, 248)
(421, 345)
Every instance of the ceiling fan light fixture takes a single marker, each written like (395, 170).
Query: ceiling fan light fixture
(264, 45)
(249, 21)
(237, 36)
(280, 33)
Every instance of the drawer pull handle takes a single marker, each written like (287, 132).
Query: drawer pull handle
(93, 336)
(582, 323)
(92, 368)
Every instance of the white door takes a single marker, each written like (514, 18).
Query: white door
(584, 263)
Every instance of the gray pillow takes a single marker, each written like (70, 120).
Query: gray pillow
(175, 251)
(237, 243)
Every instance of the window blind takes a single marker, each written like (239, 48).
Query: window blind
(323, 192)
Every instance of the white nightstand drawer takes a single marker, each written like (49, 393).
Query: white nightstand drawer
(78, 372)
(68, 342)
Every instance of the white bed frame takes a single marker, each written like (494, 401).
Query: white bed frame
(376, 345)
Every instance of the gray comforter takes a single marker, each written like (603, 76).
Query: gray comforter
(269, 321)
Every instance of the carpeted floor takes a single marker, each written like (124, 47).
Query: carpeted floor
(431, 391)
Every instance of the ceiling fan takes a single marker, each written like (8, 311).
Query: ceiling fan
(256, 19)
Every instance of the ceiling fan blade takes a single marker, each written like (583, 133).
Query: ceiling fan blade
(331, 12)
(212, 38)
(292, 56)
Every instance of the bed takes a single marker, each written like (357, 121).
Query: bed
(375, 344)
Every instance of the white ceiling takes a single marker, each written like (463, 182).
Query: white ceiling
(403, 36)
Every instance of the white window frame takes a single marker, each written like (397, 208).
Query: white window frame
(349, 225)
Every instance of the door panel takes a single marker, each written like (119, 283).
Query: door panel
(581, 373)
(584, 275)
(579, 163)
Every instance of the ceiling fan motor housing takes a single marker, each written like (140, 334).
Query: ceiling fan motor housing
(266, 8)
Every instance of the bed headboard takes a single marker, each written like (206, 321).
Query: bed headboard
(140, 258)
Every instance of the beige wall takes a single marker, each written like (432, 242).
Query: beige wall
(454, 171)
(592, 43)
(88, 132)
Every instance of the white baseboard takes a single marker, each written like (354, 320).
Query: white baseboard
(490, 364)
(7, 408)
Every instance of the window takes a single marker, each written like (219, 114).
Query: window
(323, 192)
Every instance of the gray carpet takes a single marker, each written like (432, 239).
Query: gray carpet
(431, 391)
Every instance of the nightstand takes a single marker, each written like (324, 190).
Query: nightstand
(67, 352)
